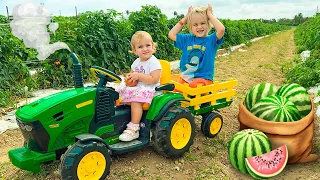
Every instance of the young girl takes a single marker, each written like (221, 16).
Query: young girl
(147, 70)
(198, 48)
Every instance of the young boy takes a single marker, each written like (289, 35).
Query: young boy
(198, 48)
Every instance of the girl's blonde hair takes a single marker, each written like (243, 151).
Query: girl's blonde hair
(202, 10)
(136, 38)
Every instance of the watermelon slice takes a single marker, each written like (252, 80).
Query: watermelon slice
(269, 164)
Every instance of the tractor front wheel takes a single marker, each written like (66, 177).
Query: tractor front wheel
(174, 133)
(86, 161)
(211, 124)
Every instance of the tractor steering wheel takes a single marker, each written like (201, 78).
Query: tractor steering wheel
(96, 70)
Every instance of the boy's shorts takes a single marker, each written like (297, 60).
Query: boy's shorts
(195, 82)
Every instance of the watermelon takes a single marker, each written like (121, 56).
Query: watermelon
(269, 164)
(247, 143)
(257, 92)
(277, 109)
(298, 95)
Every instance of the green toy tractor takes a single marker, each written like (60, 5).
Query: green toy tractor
(80, 127)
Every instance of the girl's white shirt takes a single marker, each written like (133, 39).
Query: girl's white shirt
(146, 67)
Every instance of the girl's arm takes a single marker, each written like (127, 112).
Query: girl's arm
(152, 78)
(177, 28)
(220, 29)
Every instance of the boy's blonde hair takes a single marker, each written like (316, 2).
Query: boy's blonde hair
(136, 38)
(202, 10)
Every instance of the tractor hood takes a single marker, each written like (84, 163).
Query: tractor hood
(29, 112)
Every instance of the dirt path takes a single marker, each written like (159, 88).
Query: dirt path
(263, 61)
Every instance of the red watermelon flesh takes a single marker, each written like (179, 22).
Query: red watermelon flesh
(269, 164)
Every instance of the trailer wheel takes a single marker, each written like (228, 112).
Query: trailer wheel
(211, 124)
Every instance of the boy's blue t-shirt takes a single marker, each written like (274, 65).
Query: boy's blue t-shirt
(198, 55)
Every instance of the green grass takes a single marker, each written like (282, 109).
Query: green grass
(315, 169)
(219, 143)
(240, 96)
(124, 175)
(211, 170)
(204, 173)
(281, 53)
(267, 66)
(191, 157)
(210, 153)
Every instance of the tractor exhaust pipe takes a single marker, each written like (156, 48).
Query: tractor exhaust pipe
(77, 71)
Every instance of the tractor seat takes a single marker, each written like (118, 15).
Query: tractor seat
(165, 78)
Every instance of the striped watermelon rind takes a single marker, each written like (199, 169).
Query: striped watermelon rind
(276, 109)
(247, 143)
(298, 95)
(257, 92)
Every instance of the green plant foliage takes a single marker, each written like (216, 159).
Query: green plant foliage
(173, 21)
(307, 37)
(98, 38)
(242, 31)
(56, 71)
(100, 32)
(306, 73)
(150, 19)
(14, 74)
(298, 19)
(3, 19)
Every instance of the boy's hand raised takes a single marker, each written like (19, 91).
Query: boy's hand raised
(188, 13)
(209, 10)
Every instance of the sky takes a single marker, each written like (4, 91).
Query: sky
(224, 9)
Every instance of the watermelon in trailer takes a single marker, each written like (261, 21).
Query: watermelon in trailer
(269, 164)
(276, 109)
(257, 92)
(298, 95)
(247, 143)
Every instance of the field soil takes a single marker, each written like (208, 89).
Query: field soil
(262, 61)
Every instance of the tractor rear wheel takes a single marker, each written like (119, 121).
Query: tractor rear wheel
(174, 133)
(211, 124)
(85, 161)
